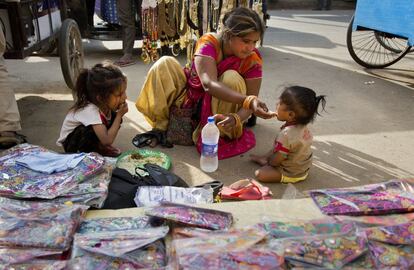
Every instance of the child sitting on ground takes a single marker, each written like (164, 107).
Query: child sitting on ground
(93, 122)
(291, 157)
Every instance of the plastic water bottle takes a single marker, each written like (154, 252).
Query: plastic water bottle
(209, 137)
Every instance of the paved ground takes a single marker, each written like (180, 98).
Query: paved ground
(365, 137)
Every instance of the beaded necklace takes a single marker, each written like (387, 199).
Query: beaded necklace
(149, 31)
(166, 25)
(214, 14)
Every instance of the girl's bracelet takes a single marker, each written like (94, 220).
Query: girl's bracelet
(248, 101)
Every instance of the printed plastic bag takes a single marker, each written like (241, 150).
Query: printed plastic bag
(21, 182)
(234, 249)
(120, 249)
(114, 224)
(38, 224)
(395, 196)
(323, 251)
(277, 229)
(192, 216)
(153, 195)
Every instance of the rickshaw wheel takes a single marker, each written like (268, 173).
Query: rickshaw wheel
(375, 49)
(70, 52)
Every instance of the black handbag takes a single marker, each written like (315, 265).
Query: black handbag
(158, 176)
(122, 189)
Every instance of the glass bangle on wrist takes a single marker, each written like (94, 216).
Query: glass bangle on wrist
(248, 101)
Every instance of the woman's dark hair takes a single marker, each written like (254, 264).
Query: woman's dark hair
(304, 102)
(95, 85)
(242, 21)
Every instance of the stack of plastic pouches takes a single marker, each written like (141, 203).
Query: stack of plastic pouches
(35, 235)
(86, 183)
(39, 235)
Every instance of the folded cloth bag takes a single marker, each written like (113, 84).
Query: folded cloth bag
(245, 189)
(48, 162)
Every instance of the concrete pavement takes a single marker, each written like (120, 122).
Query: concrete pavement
(364, 137)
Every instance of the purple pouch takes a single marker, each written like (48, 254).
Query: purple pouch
(193, 216)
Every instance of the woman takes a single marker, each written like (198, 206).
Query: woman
(225, 76)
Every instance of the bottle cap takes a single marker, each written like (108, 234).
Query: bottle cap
(210, 119)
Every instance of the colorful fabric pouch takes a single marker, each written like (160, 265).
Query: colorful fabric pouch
(395, 196)
(392, 246)
(305, 228)
(112, 224)
(323, 251)
(234, 249)
(370, 221)
(21, 182)
(38, 224)
(10, 256)
(40, 264)
(93, 190)
(192, 216)
(253, 258)
(132, 249)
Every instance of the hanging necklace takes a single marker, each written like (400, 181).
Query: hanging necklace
(192, 6)
(214, 14)
(149, 31)
(166, 27)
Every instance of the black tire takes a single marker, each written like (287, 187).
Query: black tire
(390, 42)
(70, 52)
(366, 49)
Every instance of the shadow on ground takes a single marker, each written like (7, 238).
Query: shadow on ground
(335, 165)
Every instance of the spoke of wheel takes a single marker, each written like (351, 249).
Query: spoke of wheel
(367, 48)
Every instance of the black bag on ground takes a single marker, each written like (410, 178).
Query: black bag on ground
(123, 185)
(161, 177)
(122, 189)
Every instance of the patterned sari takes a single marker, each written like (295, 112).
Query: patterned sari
(249, 68)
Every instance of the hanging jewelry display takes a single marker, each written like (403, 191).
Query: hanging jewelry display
(166, 20)
(214, 14)
(258, 7)
(192, 17)
(179, 23)
(200, 21)
(243, 3)
(226, 6)
(149, 31)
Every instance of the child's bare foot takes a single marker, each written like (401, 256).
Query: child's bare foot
(261, 160)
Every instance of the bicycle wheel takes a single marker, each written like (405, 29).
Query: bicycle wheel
(367, 48)
(390, 42)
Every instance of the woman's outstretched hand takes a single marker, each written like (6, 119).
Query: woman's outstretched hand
(225, 121)
(260, 109)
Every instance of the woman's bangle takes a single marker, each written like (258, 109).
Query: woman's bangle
(247, 101)
(237, 118)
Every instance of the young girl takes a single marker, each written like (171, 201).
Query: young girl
(291, 157)
(93, 122)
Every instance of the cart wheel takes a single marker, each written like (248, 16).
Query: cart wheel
(375, 49)
(70, 52)
(390, 42)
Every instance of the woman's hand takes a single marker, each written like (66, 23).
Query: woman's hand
(260, 109)
(225, 121)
